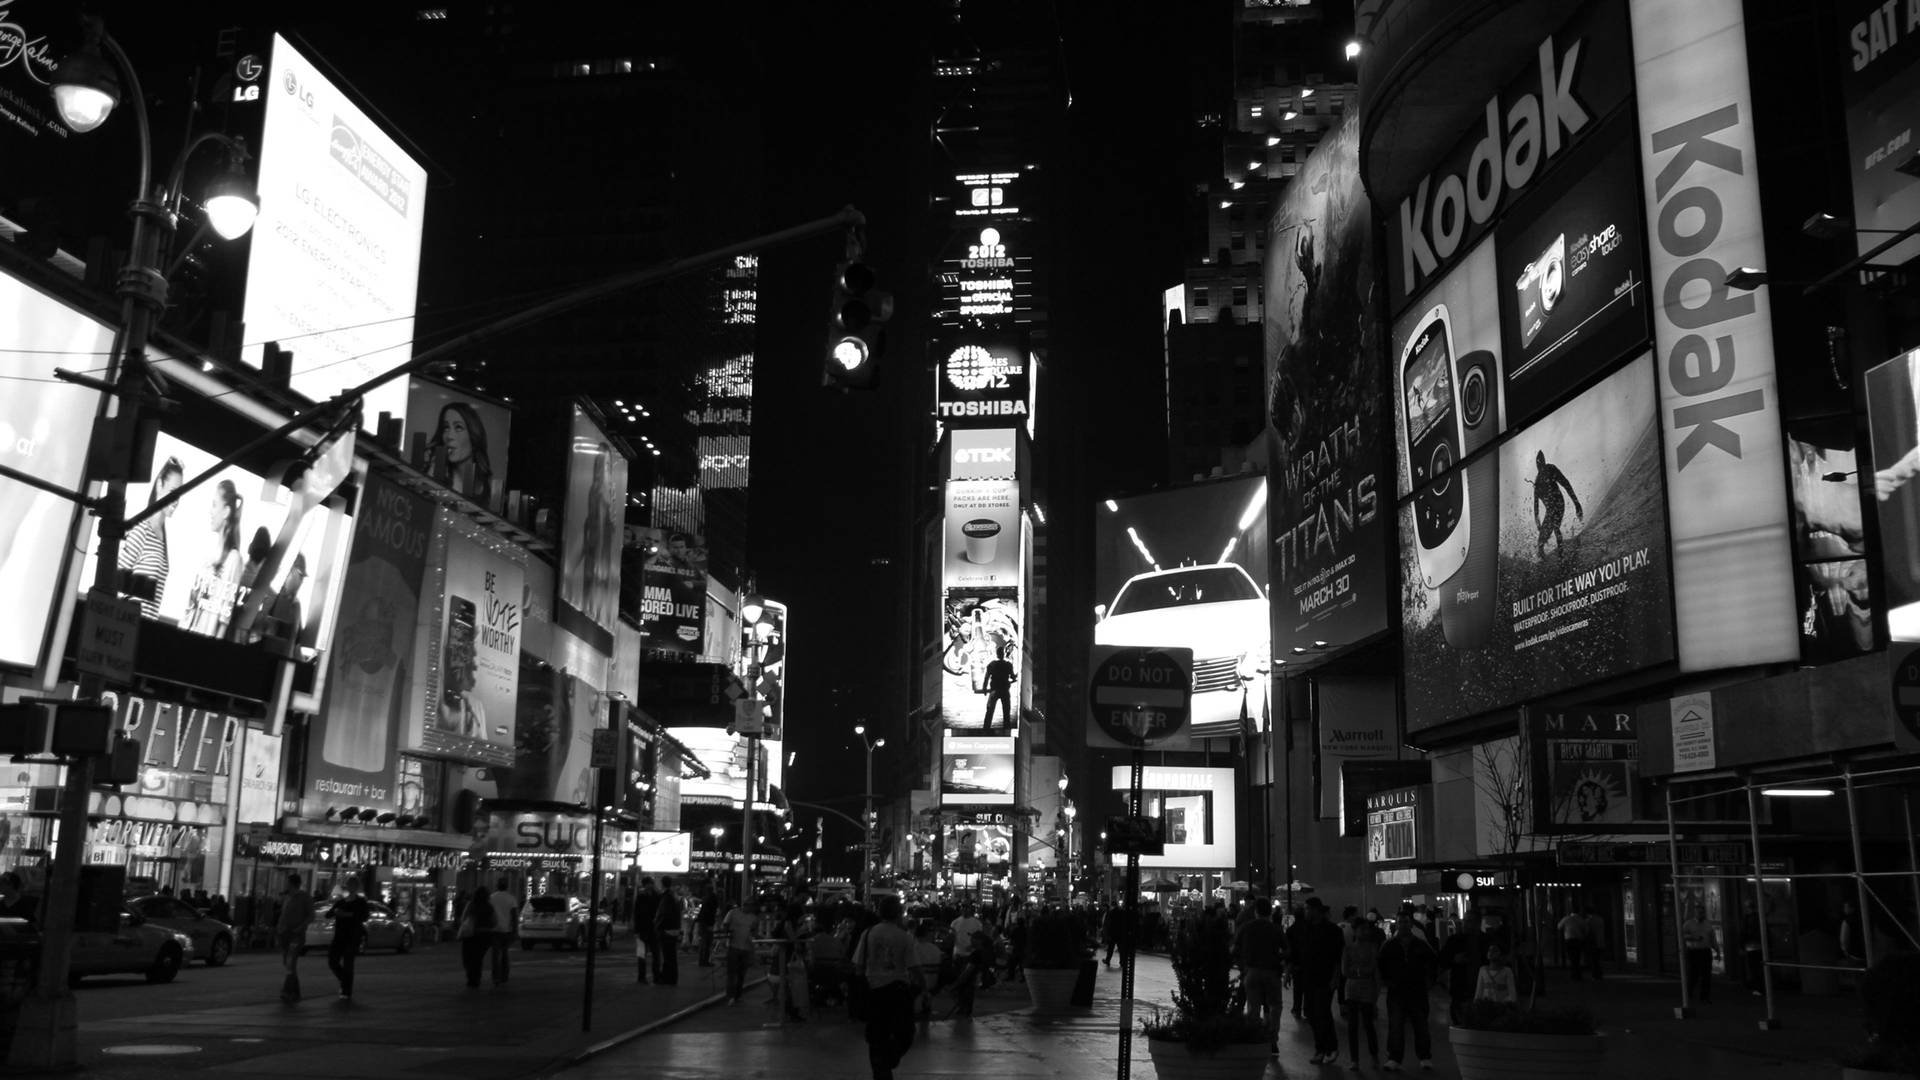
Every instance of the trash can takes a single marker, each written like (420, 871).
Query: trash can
(19, 965)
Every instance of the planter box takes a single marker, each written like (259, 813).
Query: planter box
(1502, 1055)
(1234, 1061)
(1051, 989)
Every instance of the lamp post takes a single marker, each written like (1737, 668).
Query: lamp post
(1070, 812)
(867, 853)
(86, 87)
(751, 608)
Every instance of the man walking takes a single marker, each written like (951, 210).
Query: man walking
(506, 926)
(966, 977)
(666, 935)
(1409, 967)
(1315, 961)
(1573, 939)
(1260, 949)
(1696, 936)
(645, 941)
(739, 925)
(350, 914)
(885, 957)
(290, 933)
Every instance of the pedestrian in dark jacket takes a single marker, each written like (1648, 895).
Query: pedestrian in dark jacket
(1461, 958)
(1409, 967)
(646, 940)
(666, 928)
(1316, 960)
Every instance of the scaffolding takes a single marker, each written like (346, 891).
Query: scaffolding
(1850, 777)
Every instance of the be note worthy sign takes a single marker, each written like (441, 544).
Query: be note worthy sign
(1692, 732)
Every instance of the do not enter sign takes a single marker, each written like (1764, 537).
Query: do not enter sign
(1140, 696)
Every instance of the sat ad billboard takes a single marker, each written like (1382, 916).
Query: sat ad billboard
(1330, 507)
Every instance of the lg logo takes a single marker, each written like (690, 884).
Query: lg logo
(298, 92)
(986, 455)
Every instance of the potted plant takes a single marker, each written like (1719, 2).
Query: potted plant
(1494, 1040)
(1051, 959)
(1208, 1033)
(1890, 994)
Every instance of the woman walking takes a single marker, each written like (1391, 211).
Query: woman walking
(1360, 968)
(476, 933)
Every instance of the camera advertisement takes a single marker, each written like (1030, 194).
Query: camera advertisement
(1572, 259)
(1581, 588)
(1186, 569)
(1328, 504)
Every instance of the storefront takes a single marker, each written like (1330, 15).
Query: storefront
(416, 880)
(543, 852)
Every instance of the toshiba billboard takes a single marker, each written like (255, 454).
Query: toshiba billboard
(982, 380)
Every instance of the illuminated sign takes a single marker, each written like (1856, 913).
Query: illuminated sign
(1734, 597)
(986, 195)
(982, 377)
(976, 770)
(983, 535)
(982, 454)
(1195, 807)
(1391, 832)
(335, 264)
(985, 276)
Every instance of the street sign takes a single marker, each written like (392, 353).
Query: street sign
(748, 718)
(1139, 696)
(603, 749)
(1903, 663)
(109, 633)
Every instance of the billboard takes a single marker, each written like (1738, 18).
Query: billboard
(595, 516)
(1572, 263)
(673, 605)
(983, 535)
(259, 779)
(1894, 421)
(1880, 83)
(1357, 720)
(986, 278)
(459, 439)
(1586, 771)
(657, 852)
(982, 454)
(982, 629)
(370, 674)
(977, 770)
(335, 263)
(1720, 414)
(1187, 568)
(982, 379)
(1393, 832)
(45, 425)
(1582, 583)
(725, 756)
(471, 650)
(1829, 540)
(770, 689)
(1195, 808)
(204, 554)
(1322, 347)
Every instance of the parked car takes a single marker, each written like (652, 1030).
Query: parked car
(561, 921)
(385, 929)
(212, 939)
(137, 947)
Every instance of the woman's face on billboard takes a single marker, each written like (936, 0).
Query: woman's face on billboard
(454, 436)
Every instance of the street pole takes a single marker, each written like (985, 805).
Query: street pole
(1131, 921)
(593, 921)
(746, 822)
(866, 846)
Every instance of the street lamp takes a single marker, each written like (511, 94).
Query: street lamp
(866, 858)
(86, 88)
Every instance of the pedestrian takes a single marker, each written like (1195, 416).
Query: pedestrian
(1316, 959)
(1260, 948)
(506, 925)
(703, 921)
(926, 960)
(219, 909)
(1295, 929)
(1495, 982)
(739, 925)
(290, 934)
(645, 940)
(15, 904)
(886, 957)
(350, 914)
(968, 933)
(790, 962)
(1573, 939)
(1853, 933)
(1595, 942)
(1360, 990)
(666, 933)
(1696, 940)
(1751, 957)
(475, 933)
(1408, 968)
(1461, 957)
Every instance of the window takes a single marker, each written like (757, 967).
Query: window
(1239, 241)
(1199, 298)
(1239, 301)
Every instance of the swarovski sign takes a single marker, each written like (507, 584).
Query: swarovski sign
(1734, 595)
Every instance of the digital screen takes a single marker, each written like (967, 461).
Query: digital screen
(1429, 388)
(460, 440)
(1894, 423)
(1829, 540)
(983, 535)
(1581, 589)
(595, 530)
(977, 771)
(1433, 384)
(673, 607)
(1194, 807)
(470, 696)
(983, 380)
(982, 660)
(1187, 568)
(335, 266)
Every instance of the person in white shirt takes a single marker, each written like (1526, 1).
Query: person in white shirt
(506, 925)
(740, 924)
(965, 976)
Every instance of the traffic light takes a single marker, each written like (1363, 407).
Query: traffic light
(856, 327)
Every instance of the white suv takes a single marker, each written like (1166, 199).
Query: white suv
(1219, 612)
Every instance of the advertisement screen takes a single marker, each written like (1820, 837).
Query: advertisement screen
(1195, 808)
(662, 852)
(1324, 404)
(983, 534)
(982, 454)
(1188, 568)
(725, 757)
(1829, 541)
(1573, 265)
(673, 606)
(45, 425)
(459, 439)
(1894, 421)
(770, 634)
(981, 661)
(596, 515)
(1448, 376)
(1880, 82)
(204, 554)
(982, 379)
(977, 771)
(369, 677)
(471, 651)
(335, 263)
(260, 779)
(987, 275)
(1581, 586)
